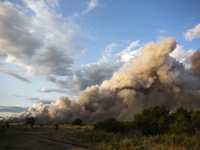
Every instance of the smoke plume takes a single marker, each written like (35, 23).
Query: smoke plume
(195, 59)
(151, 79)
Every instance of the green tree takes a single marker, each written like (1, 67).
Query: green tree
(180, 111)
(153, 120)
(180, 121)
(180, 125)
(30, 120)
(195, 119)
(77, 122)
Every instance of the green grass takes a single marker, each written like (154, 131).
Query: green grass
(46, 137)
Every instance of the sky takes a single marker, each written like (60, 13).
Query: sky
(51, 48)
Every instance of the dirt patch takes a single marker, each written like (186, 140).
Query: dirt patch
(73, 145)
(64, 145)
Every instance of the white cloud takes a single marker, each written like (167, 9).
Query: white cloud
(127, 54)
(91, 5)
(46, 90)
(182, 55)
(39, 100)
(161, 31)
(52, 3)
(193, 33)
(96, 73)
(108, 52)
(15, 36)
(90, 74)
(48, 42)
(40, 43)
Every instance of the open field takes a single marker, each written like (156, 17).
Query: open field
(84, 137)
(42, 138)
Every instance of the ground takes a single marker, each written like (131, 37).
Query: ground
(18, 138)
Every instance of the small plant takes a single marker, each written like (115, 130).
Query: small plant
(7, 124)
(77, 122)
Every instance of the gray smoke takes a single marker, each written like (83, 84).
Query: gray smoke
(151, 79)
(195, 59)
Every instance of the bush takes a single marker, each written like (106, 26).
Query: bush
(129, 125)
(153, 120)
(77, 122)
(109, 125)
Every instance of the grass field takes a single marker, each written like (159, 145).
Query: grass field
(46, 137)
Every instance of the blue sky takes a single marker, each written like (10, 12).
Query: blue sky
(50, 48)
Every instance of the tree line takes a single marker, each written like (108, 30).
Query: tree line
(155, 120)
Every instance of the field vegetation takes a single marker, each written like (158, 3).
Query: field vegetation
(154, 128)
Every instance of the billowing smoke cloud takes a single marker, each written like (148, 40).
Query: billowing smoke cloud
(195, 59)
(151, 79)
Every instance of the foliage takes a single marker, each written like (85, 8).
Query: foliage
(153, 120)
(180, 121)
(77, 121)
(128, 126)
(109, 125)
(195, 119)
(30, 120)
(179, 125)
(180, 111)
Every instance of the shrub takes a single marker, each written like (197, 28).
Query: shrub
(30, 120)
(129, 125)
(109, 125)
(77, 122)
